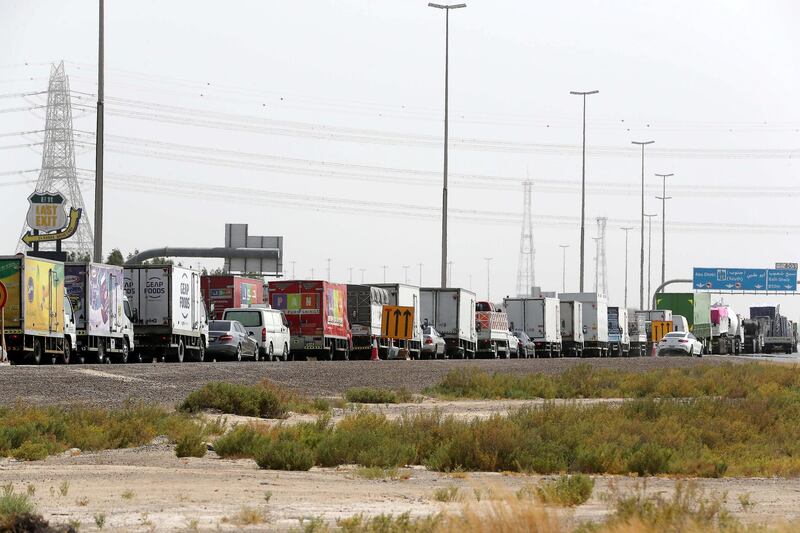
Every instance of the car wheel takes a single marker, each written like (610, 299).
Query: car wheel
(238, 356)
(270, 353)
(285, 352)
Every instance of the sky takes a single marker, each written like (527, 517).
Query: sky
(322, 121)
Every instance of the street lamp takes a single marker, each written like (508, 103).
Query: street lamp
(664, 199)
(405, 274)
(362, 274)
(649, 253)
(641, 255)
(420, 273)
(626, 229)
(563, 266)
(583, 178)
(447, 9)
(488, 279)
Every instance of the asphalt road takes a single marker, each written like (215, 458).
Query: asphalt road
(168, 384)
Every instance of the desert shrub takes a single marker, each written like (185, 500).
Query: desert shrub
(447, 494)
(236, 399)
(190, 445)
(370, 395)
(566, 491)
(241, 441)
(284, 453)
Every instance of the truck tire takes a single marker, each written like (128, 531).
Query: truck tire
(180, 352)
(126, 352)
(201, 350)
(38, 352)
(67, 352)
(99, 356)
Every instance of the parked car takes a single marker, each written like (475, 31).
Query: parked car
(680, 342)
(229, 339)
(513, 344)
(269, 327)
(433, 345)
(526, 347)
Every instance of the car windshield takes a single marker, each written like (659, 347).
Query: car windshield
(249, 319)
(219, 325)
(675, 335)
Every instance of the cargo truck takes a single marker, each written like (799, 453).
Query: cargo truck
(753, 336)
(696, 307)
(595, 320)
(102, 312)
(365, 310)
(637, 331)
(167, 311)
(491, 323)
(224, 291)
(403, 295)
(777, 329)
(619, 340)
(572, 329)
(317, 315)
(36, 311)
(451, 312)
(724, 331)
(540, 319)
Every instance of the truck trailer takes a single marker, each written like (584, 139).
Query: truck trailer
(540, 319)
(223, 291)
(403, 295)
(778, 330)
(491, 323)
(365, 310)
(451, 311)
(637, 332)
(696, 307)
(168, 313)
(572, 329)
(595, 320)
(38, 323)
(725, 329)
(102, 312)
(619, 340)
(317, 315)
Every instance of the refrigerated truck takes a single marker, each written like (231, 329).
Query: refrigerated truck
(595, 320)
(696, 307)
(637, 332)
(572, 334)
(102, 312)
(619, 340)
(365, 311)
(451, 312)
(540, 318)
(317, 313)
(169, 316)
(223, 291)
(36, 310)
(403, 295)
(491, 323)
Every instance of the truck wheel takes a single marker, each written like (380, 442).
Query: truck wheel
(126, 352)
(64, 359)
(180, 353)
(100, 354)
(201, 350)
(38, 352)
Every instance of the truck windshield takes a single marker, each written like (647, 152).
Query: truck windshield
(249, 319)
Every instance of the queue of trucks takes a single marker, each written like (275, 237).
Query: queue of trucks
(96, 313)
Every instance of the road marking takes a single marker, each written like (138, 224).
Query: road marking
(101, 374)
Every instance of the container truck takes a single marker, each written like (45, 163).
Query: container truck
(167, 311)
(317, 313)
(451, 312)
(724, 331)
(777, 329)
(365, 310)
(637, 331)
(595, 320)
(102, 312)
(403, 295)
(540, 319)
(696, 307)
(36, 310)
(619, 340)
(224, 291)
(572, 328)
(491, 323)
(753, 336)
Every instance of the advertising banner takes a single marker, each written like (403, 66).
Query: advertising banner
(43, 297)
(10, 277)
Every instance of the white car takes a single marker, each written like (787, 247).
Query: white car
(269, 327)
(680, 342)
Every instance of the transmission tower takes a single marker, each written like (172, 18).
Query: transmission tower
(601, 265)
(58, 164)
(526, 277)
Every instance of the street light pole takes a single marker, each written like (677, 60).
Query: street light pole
(664, 199)
(384, 267)
(649, 254)
(626, 229)
(563, 266)
(405, 274)
(420, 274)
(641, 251)
(98, 161)
(488, 279)
(362, 274)
(583, 180)
(447, 9)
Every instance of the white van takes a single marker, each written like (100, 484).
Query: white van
(269, 327)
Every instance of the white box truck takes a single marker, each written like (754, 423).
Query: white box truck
(572, 329)
(404, 295)
(637, 332)
(540, 318)
(102, 312)
(619, 339)
(168, 312)
(451, 312)
(595, 320)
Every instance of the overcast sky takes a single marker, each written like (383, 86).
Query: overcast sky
(322, 121)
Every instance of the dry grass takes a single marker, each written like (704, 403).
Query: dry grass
(247, 516)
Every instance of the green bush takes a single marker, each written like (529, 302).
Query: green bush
(567, 491)
(284, 454)
(190, 445)
(370, 395)
(235, 399)
(15, 509)
(241, 441)
(30, 451)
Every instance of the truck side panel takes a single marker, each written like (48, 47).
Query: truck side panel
(11, 277)
(43, 303)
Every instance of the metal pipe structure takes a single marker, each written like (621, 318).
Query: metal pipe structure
(98, 161)
(626, 229)
(641, 256)
(447, 9)
(219, 252)
(405, 274)
(488, 279)
(563, 266)
(649, 252)
(420, 273)
(664, 199)
(583, 181)
(661, 287)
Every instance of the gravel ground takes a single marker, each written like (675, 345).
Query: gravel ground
(168, 384)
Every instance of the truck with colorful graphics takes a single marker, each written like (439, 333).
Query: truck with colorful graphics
(317, 315)
(167, 312)
(102, 312)
(35, 312)
(226, 291)
(491, 324)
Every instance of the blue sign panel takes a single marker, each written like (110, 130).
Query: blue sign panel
(744, 279)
